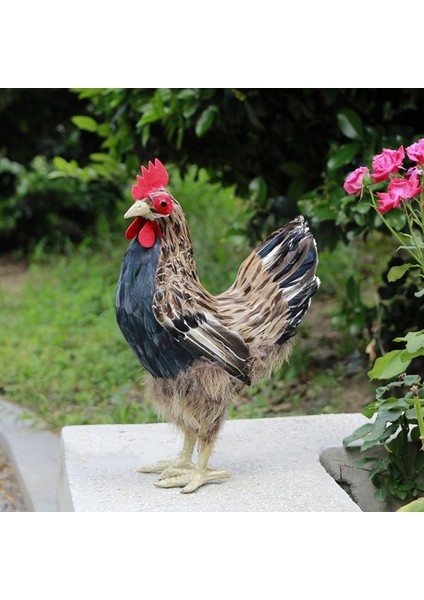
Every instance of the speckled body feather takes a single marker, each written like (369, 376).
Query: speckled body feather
(201, 349)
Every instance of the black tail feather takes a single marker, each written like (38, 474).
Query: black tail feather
(291, 256)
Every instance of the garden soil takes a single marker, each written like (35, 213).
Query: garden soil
(10, 495)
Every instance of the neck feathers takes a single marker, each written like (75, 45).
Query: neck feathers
(176, 253)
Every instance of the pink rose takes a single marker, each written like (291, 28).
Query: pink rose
(404, 188)
(387, 162)
(354, 182)
(398, 189)
(413, 171)
(416, 151)
(386, 202)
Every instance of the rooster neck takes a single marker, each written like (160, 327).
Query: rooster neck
(176, 249)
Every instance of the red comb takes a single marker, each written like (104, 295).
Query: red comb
(151, 179)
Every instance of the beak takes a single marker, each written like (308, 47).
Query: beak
(140, 208)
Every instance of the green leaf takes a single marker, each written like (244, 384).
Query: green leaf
(381, 494)
(358, 434)
(103, 130)
(419, 294)
(205, 120)
(86, 123)
(342, 156)
(370, 409)
(380, 467)
(145, 135)
(389, 365)
(414, 341)
(396, 273)
(325, 212)
(365, 461)
(88, 92)
(101, 157)
(396, 219)
(296, 187)
(350, 124)
(148, 117)
(379, 427)
(258, 186)
(187, 93)
(352, 289)
(61, 164)
(190, 107)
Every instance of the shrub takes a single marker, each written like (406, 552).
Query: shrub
(39, 208)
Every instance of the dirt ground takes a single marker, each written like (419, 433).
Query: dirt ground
(13, 273)
(10, 495)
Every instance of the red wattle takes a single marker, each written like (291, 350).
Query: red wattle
(134, 228)
(147, 235)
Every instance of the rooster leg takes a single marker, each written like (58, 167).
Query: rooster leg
(183, 461)
(198, 476)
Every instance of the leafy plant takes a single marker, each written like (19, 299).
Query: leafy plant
(399, 422)
(400, 472)
(255, 139)
(43, 207)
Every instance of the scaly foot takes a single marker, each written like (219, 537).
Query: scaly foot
(183, 460)
(191, 480)
(163, 465)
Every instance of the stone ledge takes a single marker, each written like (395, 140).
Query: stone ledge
(34, 454)
(275, 466)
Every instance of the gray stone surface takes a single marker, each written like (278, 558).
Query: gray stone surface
(274, 463)
(34, 454)
(341, 464)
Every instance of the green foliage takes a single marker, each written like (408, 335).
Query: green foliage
(242, 134)
(396, 425)
(396, 273)
(354, 218)
(37, 122)
(362, 134)
(396, 362)
(43, 207)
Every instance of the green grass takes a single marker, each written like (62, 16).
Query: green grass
(62, 354)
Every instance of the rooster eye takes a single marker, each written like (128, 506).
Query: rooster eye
(164, 203)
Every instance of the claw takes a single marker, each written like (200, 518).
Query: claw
(176, 472)
(199, 478)
(191, 480)
(155, 468)
(170, 482)
(163, 465)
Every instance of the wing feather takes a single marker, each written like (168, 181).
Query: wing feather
(199, 330)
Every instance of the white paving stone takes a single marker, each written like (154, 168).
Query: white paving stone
(274, 464)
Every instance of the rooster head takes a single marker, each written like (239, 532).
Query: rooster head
(151, 202)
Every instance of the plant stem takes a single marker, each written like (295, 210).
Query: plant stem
(418, 410)
(397, 236)
(413, 238)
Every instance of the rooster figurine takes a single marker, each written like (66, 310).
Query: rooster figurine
(202, 349)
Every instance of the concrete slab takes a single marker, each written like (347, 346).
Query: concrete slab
(34, 454)
(274, 463)
(341, 464)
